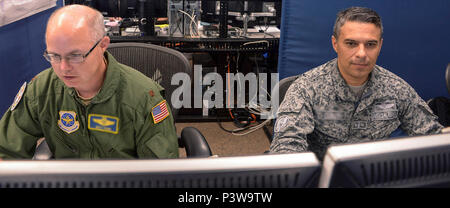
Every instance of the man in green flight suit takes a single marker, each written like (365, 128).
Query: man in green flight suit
(87, 105)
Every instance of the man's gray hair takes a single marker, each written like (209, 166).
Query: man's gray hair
(98, 26)
(96, 21)
(356, 14)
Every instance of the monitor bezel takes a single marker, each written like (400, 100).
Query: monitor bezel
(337, 155)
(42, 173)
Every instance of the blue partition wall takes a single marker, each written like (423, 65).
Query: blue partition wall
(22, 44)
(416, 43)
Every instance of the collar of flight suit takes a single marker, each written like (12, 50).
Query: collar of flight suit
(344, 93)
(110, 84)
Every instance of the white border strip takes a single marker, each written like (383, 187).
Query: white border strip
(263, 162)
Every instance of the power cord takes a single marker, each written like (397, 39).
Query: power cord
(192, 17)
(246, 120)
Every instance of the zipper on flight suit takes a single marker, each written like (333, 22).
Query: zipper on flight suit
(355, 107)
(84, 111)
(59, 137)
(64, 143)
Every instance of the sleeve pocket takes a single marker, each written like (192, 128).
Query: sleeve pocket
(158, 147)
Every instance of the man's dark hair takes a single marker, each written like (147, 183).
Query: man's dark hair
(356, 14)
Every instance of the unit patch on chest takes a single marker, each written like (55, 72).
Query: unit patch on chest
(67, 121)
(104, 123)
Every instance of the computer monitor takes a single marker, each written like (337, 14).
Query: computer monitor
(245, 6)
(420, 161)
(130, 8)
(284, 170)
(142, 13)
(258, 12)
(253, 10)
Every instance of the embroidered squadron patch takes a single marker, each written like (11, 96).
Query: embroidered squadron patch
(67, 121)
(160, 112)
(281, 124)
(104, 123)
(18, 96)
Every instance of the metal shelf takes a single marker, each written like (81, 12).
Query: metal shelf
(206, 44)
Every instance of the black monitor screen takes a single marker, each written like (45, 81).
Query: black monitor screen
(242, 6)
(287, 170)
(131, 8)
(259, 12)
(209, 11)
(420, 161)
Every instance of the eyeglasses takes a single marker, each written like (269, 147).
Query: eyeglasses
(72, 58)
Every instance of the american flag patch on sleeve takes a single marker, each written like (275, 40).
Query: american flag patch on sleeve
(160, 112)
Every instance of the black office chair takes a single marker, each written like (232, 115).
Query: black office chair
(157, 62)
(160, 64)
(441, 105)
(284, 85)
(280, 91)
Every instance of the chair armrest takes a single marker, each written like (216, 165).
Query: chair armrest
(194, 142)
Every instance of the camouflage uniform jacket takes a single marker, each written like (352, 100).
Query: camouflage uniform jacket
(319, 109)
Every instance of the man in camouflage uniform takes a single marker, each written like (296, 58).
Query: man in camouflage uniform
(87, 105)
(349, 99)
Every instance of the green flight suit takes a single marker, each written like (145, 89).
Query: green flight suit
(126, 119)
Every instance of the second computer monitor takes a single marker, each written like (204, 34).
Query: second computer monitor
(420, 161)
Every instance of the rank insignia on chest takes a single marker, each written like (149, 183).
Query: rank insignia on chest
(160, 112)
(67, 121)
(104, 123)
(18, 96)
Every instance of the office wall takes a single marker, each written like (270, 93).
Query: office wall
(22, 44)
(416, 42)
